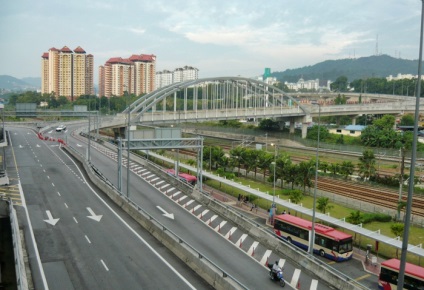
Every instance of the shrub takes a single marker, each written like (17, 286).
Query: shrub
(379, 217)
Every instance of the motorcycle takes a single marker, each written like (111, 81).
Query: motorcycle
(276, 276)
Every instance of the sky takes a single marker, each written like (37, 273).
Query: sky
(218, 37)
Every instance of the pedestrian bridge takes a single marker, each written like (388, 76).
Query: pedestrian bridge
(228, 98)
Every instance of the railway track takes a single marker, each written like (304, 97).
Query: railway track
(379, 196)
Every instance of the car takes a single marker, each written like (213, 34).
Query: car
(61, 128)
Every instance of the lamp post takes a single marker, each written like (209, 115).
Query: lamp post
(312, 237)
(128, 150)
(275, 165)
(401, 277)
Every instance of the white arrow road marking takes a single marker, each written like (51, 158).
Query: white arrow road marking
(50, 219)
(168, 215)
(93, 215)
(78, 145)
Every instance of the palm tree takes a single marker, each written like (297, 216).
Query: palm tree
(236, 157)
(324, 204)
(367, 164)
(347, 168)
(354, 218)
(397, 230)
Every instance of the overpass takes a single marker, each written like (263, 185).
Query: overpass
(229, 98)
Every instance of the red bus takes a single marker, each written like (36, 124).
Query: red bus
(413, 279)
(329, 243)
(190, 179)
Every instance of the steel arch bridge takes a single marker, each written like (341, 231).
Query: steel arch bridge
(218, 98)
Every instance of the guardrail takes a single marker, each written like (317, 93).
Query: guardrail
(21, 278)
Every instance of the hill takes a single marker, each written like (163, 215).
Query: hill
(365, 67)
(14, 84)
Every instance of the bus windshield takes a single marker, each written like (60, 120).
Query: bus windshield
(345, 246)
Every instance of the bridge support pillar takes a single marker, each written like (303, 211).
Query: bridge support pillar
(354, 121)
(292, 126)
(304, 130)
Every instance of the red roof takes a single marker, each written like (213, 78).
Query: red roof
(142, 57)
(45, 55)
(119, 60)
(319, 228)
(410, 269)
(53, 49)
(79, 50)
(65, 49)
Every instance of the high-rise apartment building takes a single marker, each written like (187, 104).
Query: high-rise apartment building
(167, 77)
(67, 73)
(135, 75)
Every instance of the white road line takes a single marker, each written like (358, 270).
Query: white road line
(182, 198)
(265, 257)
(75, 220)
(241, 240)
(52, 184)
(196, 208)
(188, 203)
(212, 219)
(251, 251)
(40, 266)
(165, 186)
(220, 226)
(175, 194)
(203, 213)
(58, 193)
(66, 205)
(88, 240)
(48, 177)
(104, 265)
(314, 284)
(295, 278)
(160, 182)
(281, 263)
(230, 233)
(154, 179)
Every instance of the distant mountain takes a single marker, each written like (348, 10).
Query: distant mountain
(365, 67)
(36, 82)
(14, 84)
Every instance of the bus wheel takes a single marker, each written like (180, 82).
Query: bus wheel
(321, 253)
(289, 240)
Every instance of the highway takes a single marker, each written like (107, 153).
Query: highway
(84, 241)
(238, 261)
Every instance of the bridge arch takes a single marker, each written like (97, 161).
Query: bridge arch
(218, 93)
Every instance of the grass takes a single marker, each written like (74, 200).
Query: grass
(416, 235)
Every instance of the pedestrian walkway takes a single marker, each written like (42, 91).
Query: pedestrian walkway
(370, 265)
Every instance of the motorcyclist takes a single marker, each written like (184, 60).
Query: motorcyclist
(275, 269)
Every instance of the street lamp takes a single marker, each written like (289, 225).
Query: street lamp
(401, 277)
(312, 238)
(275, 165)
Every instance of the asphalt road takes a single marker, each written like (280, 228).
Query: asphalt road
(237, 261)
(84, 241)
